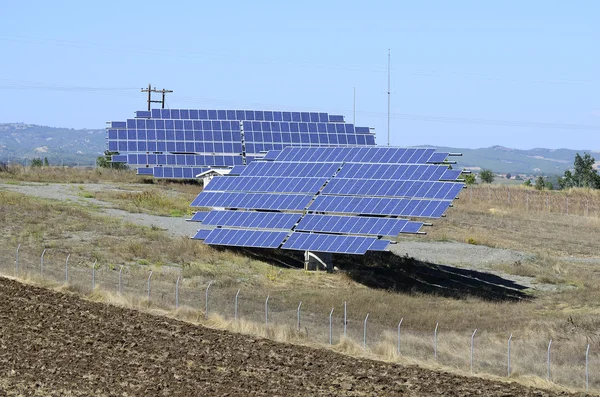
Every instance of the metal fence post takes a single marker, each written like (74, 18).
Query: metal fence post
(67, 269)
(509, 340)
(399, 325)
(42, 263)
(267, 310)
(435, 341)
(345, 319)
(177, 292)
(17, 262)
(365, 331)
(299, 306)
(548, 374)
(472, 347)
(330, 327)
(121, 281)
(149, 278)
(235, 310)
(567, 205)
(94, 275)
(587, 372)
(206, 301)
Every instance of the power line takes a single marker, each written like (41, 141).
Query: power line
(134, 92)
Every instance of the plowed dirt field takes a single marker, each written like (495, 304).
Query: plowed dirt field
(58, 344)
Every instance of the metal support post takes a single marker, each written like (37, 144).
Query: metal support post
(365, 331)
(149, 278)
(267, 310)
(299, 306)
(549, 346)
(435, 341)
(509, 341)
(67, 269)
(399, 326)
(472, 348)
(235, 310)
(331, 327)
(94, 275)
(587, 368)
(42, 263)
(345, 320)
(206, 301)
(17, 262)
(121, 281)
(177, 292)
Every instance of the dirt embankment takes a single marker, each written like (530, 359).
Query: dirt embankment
(58, 344)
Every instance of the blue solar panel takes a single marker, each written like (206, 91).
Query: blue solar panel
(380, 206)
(267, 168)
(247, 219)
(199, 216)
(223, 138)
(329, 243)
(357, 225)
(382, 188)
(405, 172)
(237, 170)
(379, 245)
(357, 155)
(202, 234)
(278, 202)
(245, 238)
(265, 184)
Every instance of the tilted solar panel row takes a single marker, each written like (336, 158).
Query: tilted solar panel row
(247, 219)
(245, 238)
(357, 225)
(178, 159)
(266, 168)
(402, 172)
(358, 155)
(259, 201)
(380, 206)
(259, 115)
(259, 184)
(331, 243)
(388, 188)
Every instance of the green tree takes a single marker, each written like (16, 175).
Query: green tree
(37, 162)
(106, 162)
(508, 176)
(549, 185)
(46, 162)
(583, 175)
(470, 179)
(539, 183)
(486, 176)
(527, 182)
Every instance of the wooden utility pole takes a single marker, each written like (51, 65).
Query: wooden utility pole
(150, 90)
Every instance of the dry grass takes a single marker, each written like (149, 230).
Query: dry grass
(156, 202)
(55, 174)
(569, 315)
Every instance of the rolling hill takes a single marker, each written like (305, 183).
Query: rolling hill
(20, 142)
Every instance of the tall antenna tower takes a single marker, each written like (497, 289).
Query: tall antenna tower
(389, 97)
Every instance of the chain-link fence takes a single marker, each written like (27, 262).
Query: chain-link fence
(569, 360)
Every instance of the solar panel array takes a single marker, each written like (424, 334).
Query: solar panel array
(182, 143)
(336, 200)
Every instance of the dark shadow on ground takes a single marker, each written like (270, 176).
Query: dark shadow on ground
(385, 270)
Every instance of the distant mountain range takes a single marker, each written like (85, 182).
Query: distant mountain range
(20, 142)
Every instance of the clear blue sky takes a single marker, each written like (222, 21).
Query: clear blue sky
(521, 74)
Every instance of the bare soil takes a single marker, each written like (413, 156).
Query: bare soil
(55, 344)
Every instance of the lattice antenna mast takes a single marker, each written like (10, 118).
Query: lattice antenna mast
(150, 90)
(389, 97)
